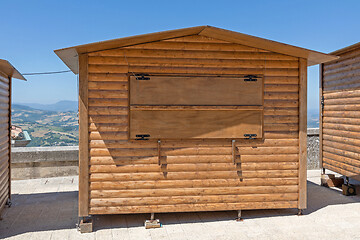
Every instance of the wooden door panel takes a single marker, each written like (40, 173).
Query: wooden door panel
(195, 124)
(205, 91)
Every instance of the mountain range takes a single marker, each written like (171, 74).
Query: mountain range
(61, 106)
(48, 126)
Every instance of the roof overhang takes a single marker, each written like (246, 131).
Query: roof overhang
(9, 70)
(346, 49)
(70, 55)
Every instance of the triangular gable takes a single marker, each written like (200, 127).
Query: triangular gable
(70, 55)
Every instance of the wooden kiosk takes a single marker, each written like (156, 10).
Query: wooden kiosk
(339, 115)
(194, 119)
(7, 72)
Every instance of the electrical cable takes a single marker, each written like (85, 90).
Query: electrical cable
(43, 73)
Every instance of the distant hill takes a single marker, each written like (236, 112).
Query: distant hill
(47, 128)
(313, 118)
(61, 106)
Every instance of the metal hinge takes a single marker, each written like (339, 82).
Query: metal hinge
(142, 136)
(250, 136)
(250, 78)
(322, 103)
(142, 76)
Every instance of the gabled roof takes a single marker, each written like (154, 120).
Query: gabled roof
(70, 55)
(346, 49)
(10, 70)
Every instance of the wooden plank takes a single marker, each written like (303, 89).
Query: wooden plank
(208, 46)
(205, 62)
(191, 199)
(133, 40)
(252, 41)
(302, 132)
(342, 101)
(189, 124)
(193, 207)
(121, 52)
(339, 133)
(192, 175)
(192, 191)
(83, 137)
(343, 159)
(206, 150)
(178, 144)
(126, 160)
(193, 167)
(340, 120)
(161, 90)
(166, 70)
(150, 184)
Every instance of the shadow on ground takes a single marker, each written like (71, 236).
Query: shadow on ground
(58, 210)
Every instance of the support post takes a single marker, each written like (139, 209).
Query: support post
(239, 219)
(159, 152)
(302, 132)
(83, 137)
(152, 223)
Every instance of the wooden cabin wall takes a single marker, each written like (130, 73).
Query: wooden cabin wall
(124, 176)
(5, 193)
(341, 118)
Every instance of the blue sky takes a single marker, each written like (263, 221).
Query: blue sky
(31, 30)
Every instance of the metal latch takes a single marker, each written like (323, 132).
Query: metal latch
(250, 78)
(142, 76)
(142, 136)
(250, 136)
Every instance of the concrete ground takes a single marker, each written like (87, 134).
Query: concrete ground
(47, 209)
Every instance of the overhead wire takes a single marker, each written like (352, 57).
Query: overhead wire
(44, 73)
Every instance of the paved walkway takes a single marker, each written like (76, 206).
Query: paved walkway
(47, 209)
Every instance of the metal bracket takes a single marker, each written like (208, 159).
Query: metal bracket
(250, 78)
(142, 136)
(233, 151)
(8, 202)
(159, 152)
(250, 136)
(142, 76)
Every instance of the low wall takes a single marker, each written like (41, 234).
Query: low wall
(313, 148)
(41, 162)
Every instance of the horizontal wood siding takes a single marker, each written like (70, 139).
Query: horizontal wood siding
(341, 118)
(192, 175)
(4, 141)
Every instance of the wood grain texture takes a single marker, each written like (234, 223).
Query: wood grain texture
(5, 147)
(302, 133)
(188, 124)
(124, 173)
(160, 90)
(83, 137)
(340, 131)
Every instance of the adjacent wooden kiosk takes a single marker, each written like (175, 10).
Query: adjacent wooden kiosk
(195, 119)
(7, 72)
(339, 115)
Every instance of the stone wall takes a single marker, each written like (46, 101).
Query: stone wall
(40, 162)
(313, 148)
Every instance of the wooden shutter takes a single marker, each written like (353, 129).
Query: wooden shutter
(163, 107)
(170, 90)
